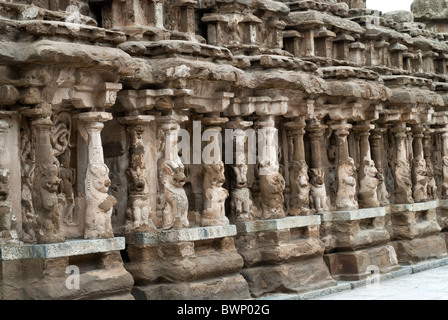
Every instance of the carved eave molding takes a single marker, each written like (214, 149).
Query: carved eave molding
(261, 105)
(354, 99)
(308, 20)
(63, 54)
(135, 102)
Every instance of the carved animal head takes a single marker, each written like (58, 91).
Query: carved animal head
(402, 167)
(317, 177)
(239, 175)
(214, 174)
(138, 181)
(420, 165)
(370, 169)
(50, 180)
(276, 180)
(100, 173)
(4, 184)
(174, 173)
(350, 167)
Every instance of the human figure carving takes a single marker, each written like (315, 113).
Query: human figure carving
(68, 179)
(137, 171)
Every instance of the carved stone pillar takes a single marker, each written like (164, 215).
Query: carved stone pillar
(445, 164)
(45, 185)
(299, 201)
(377, 147)
(272, 183)
(419, 173)
(242, 207)
(8, 231)
(368, 181)
(172, 176)
(214, 194)
(140, 205)
(402, 172)
(99, 203)
(318, 192)
(346, 196)
(427, 151)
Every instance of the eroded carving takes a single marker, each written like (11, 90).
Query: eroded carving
(241, 203)
(175, 213)
(272, 186)
(318, 192)
(98, 222)
(300, 187)
(347, 186)
(368, 192)
(214, 195)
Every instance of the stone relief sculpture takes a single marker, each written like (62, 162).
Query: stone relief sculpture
(300, 187)
(27, 160)
(403, 187)
(431, 186)
(368, 192)
(382, 194)
(99, 211)
(215, 195)
(138, 211)
(347, 186)
(445, 174)
(60, 133)
(45, 201)
(318, 193)
(420, 179)
(67, 195)
(241, 203)
(7, 219)
(272, 186)
(175, 213)
(137, 171)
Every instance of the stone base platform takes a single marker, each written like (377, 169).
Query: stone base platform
(417, 250)
(359, 244)
(186, 264)
(283, 255)
(358, 265)
(415, 232)
(50, 271)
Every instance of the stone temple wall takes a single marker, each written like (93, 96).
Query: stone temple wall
(313, 149)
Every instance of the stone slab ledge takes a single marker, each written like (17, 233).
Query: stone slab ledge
(351, 215)
(180, 235)
(68, 248)
(277, 224)
(420, 206)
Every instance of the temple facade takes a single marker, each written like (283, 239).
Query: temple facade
(218, 149)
